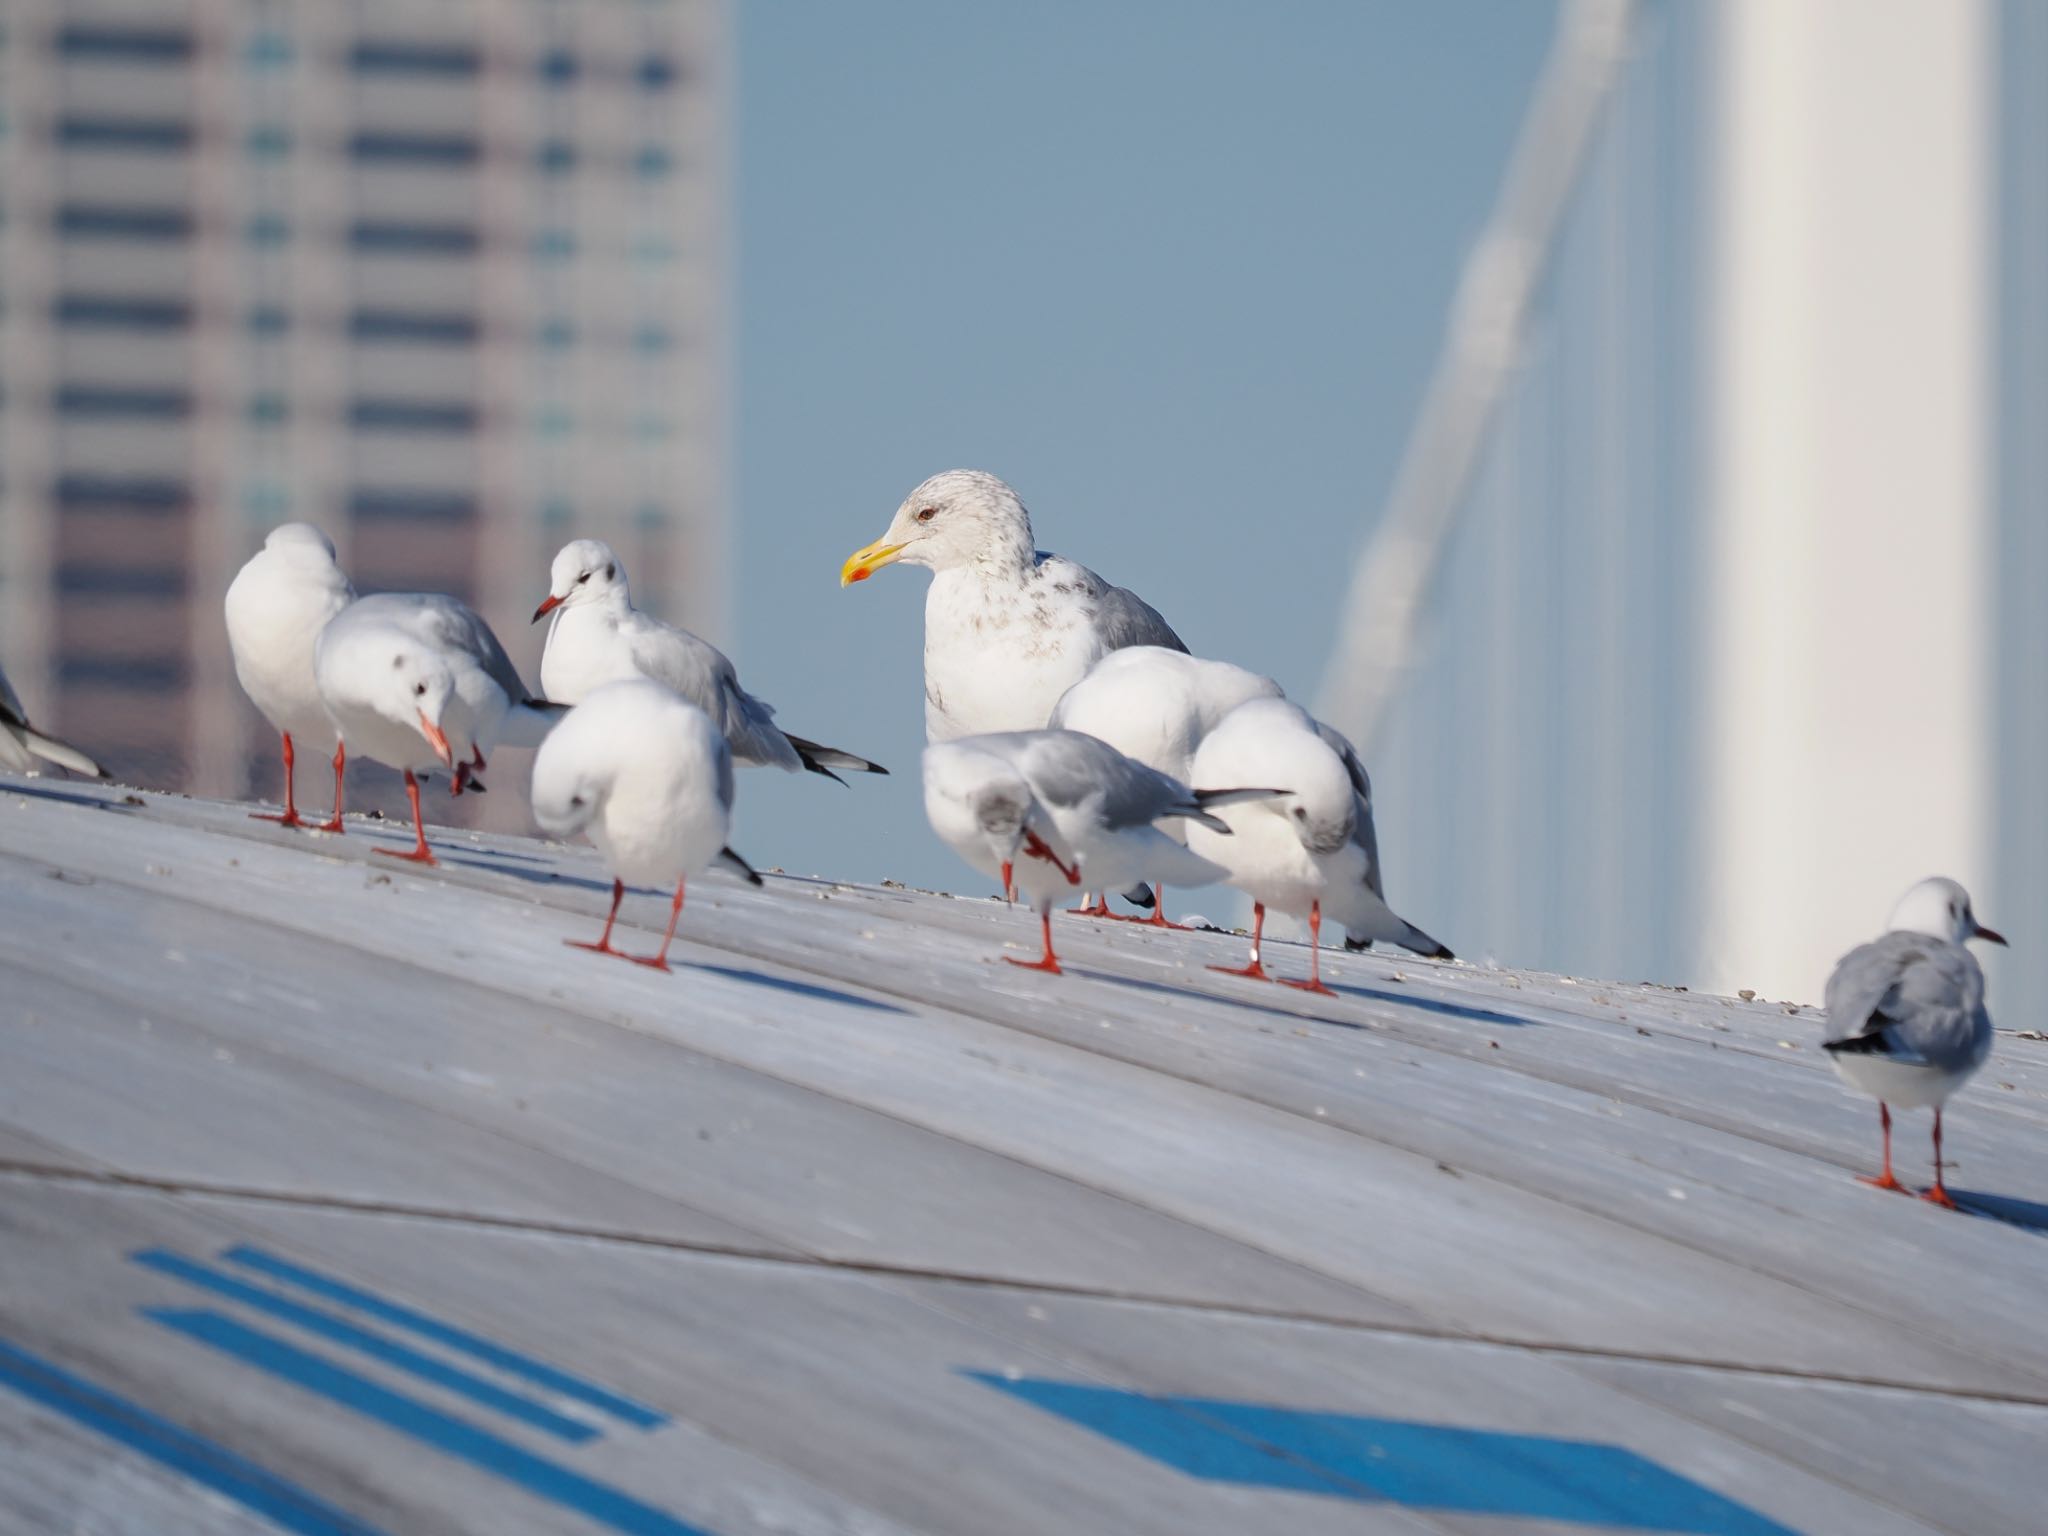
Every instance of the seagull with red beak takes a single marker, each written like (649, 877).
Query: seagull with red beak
(418, 682)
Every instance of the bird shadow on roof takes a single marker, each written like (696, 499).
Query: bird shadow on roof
(810, 989)
(1430, 1004)
(2010, 1209)
(548, 876)
(1291, 1015)
(90, 799)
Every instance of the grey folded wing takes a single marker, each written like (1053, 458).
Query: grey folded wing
(1067, 768)
(703, 674)
(1121, 618)
(1907, 995)
(442, 620)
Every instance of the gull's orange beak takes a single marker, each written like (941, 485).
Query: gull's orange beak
(863, 563)
(436, 739)
(548, 606)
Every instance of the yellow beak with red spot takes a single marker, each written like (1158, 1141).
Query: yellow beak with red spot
(863, 563)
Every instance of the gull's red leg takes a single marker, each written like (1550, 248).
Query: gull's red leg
(1158, 917)
(660, 962)
(290, 818)
(1049, 961)
(1315, 953)
(1256, 971)
(419, 852)
(1094, 904)
(333, 823)
(1939, 1194)
(603, 946)
(1885, 1179)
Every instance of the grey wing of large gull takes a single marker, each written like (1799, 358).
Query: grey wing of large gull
(703, 674)
(1907, 995)
(1121, 617)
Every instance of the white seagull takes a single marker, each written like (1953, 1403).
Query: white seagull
(276, 607)
(1039, 809)
(1008, 628)
(1906, 1017)
(21, 744)
(597, 636)
(417, 680)
(1307, 852)
(1155, 705)
(647, 776)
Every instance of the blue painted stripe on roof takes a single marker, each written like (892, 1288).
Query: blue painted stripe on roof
(137, 45)
(1393, 1461)
(400, 1316)
(387, 56)
(339, 1331)
(119, 221)
(544, 1479)
(168, 134)
(214, 1466)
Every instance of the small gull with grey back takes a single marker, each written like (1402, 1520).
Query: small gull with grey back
(597, 636)
(1907, 1023)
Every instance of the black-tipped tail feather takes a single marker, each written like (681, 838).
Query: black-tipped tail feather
(1414, 940)
(738, 865)
(819, 759)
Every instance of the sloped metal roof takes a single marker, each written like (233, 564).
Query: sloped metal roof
(339, 1196)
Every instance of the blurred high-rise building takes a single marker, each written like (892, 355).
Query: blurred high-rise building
(446, 279)
(1729, 507)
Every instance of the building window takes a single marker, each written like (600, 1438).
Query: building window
(110, 221)
(126, 45)
(446, 149)
(394, 57)
(410, 504)
(376, 414)
(426, 327)
(120, 313)
(166, 135)
(414, 239)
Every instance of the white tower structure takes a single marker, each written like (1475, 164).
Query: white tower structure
(1717, 631)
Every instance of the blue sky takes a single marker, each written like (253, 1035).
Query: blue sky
(1176, 271)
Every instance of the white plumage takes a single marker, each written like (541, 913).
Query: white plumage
(1008, 628)
(647, 777)
(1311, 852)
(276, 607)
(597, 636)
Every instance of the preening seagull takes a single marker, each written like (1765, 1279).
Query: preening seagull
(417, 681)
(276, 607)
(1155, 705)
(1906, 1018)
(21, 744)
(1039, 810)
(1309, 852)
(647, 776)
(597, 636)
(1008, 628)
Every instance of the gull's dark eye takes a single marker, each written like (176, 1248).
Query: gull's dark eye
(1300, 813)
(608, 571)
(927, 514)
(576, 802)
(420, 689)
(583, 578)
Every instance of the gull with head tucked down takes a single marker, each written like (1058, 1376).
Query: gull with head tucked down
(1040, 809)
(1008, 628)
(1309, 852)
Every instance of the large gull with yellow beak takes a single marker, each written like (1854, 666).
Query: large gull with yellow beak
(1008, 628)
